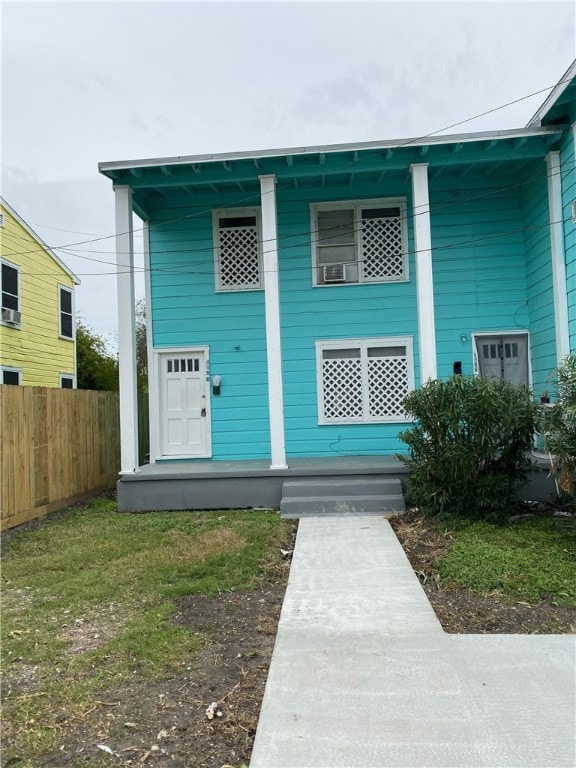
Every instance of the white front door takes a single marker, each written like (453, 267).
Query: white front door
(184, 404)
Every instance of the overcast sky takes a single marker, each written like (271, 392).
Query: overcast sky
(84, 82)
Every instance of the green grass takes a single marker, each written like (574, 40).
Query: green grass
(529, 561)
(118, 573)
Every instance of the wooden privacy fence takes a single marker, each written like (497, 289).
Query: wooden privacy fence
(56, 447)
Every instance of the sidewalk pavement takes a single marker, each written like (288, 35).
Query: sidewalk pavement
(363, 676)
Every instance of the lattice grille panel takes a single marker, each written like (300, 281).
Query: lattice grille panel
(238, 253)
(387, 386)
(342, 387)
(382, 252)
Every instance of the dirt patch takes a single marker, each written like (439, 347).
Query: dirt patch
(461, 611)
(166, 723)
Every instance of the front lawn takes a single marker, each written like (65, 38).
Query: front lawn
(91, 606)
(481, 577)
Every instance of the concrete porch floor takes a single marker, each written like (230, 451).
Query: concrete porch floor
(214, 484)
(209, 484)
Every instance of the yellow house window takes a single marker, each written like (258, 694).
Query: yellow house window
(10, 287)
(66, 313)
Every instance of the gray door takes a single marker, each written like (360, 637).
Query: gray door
(502, 356)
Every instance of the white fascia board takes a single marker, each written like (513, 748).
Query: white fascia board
(39, 240)
(330, 148)
(553, 96)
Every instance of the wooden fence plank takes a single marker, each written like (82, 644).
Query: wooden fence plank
(57, 445)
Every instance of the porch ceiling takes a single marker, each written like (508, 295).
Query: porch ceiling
(325, 167)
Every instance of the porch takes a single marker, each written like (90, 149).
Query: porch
(210, 484)
(188, 485)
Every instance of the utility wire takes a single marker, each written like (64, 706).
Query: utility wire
(401, 144)
(410, 215)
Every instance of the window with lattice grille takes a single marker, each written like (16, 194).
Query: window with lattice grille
(363, 380)
(237, 249)
(359, 242)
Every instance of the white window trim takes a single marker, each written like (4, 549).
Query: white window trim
(68, 376)
(11, 369)
(475, 363)
(217, 214)
(363, 345)
(1, 219)
(60, 334)
(19, 297)
(357, 205)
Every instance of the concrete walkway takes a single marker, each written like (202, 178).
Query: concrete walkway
(363, 675)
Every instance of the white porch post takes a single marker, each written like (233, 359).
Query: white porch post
(553, 169)
(424, 279)
(126, 331)
(272, 306)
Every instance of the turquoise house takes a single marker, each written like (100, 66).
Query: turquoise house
(296, 295)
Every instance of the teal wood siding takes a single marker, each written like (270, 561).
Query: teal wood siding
(539, 276)
(491, 268)
(309, 314)
(478, 264)
(187, 311)
(568, 172)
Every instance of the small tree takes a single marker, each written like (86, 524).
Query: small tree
(141, 346)
(557, 423)
(469, 446)
(96, 368)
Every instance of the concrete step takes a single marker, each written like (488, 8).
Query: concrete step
(345, 487)
(337, 506)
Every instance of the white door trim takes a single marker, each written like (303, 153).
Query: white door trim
(156, 418)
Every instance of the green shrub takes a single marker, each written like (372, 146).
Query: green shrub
(557, 423)
(469, 445)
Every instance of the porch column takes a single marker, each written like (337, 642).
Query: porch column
(424, 280)
(272, 306)
(126, 331)
(553, 169)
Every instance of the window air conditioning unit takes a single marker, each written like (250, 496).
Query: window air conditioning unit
(335, 273)
(11, 316)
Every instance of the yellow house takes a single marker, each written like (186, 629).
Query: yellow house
(37, 325)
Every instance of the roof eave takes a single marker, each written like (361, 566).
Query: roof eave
(107, 167)
(553, 96)
(76, 280)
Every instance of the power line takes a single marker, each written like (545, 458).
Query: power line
(410, 214)
(405, 143)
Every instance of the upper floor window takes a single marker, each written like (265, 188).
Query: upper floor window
(359, 241)
(65, 312)
(363, 380)
(238, 262)
(10, 286)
